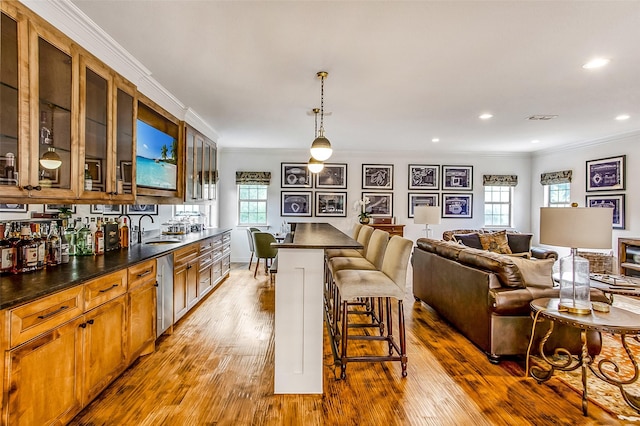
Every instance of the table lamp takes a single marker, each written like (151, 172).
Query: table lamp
(575, 227)
(427, 215)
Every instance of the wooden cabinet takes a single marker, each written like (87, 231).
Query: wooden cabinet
(205, 267)
(104, 346)
(629, 256)
(44, 377)
(142, 300)
(185, 280)
(106, 132)
(201, 167)
(392, 229)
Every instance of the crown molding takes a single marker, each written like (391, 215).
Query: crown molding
(194, 119)
(586, 144)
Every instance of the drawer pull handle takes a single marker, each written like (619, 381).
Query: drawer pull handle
(104, 290)
(50, 314)
(90, 321)
(147, 272)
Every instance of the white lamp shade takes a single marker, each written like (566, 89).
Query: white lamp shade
(321, 148)
(315, 166)
(576, 227)
(429, 215)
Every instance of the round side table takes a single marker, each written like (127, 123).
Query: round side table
(618, 322)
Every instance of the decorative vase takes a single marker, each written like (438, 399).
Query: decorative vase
(364, 220)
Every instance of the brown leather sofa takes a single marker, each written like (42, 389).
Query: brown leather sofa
(486, 297)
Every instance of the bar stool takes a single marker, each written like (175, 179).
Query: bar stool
(388, 283)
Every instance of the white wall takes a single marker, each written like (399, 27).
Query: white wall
(575, 159)
(232, 160)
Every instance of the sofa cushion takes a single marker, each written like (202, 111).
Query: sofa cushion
(503, 266)
(535, 273)
(449, 249)
(496, 242)
(470, 240)
(519, 243)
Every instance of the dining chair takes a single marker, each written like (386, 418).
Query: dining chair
(263, 249)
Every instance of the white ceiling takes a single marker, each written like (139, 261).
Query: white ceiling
(400, 73)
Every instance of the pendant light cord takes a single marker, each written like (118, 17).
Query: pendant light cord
(322, 104)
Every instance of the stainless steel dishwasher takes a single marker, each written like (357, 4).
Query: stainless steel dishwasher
(164, 277)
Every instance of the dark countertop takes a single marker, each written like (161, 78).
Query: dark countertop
(318, 236)
(22, 288)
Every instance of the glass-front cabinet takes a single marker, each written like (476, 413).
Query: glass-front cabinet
(201, 167)
(106, 132)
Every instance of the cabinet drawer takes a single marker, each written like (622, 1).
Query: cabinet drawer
(141, 273)
(105, 288)
(206, 246)
(40, 316)
(185, 255)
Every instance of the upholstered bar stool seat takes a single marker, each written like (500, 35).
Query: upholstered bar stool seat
(387, 283)
(363, 237)
(371, 261)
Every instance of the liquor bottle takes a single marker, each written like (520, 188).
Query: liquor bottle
(124, 234)
(7, 251)
(9, 169)
(27, 251)
(70, 236)
(84, 242)
(42, 245)
(99, 239)
(64, 243)
(54, 249)
(88, 180)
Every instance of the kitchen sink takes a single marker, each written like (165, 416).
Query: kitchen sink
(163, 241)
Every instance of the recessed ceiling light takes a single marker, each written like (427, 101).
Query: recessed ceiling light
(435, 140)
(623, 117)
(535, 141)
(485, 116)
(596, 63)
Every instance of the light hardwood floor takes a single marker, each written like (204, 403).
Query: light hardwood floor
(217, 369)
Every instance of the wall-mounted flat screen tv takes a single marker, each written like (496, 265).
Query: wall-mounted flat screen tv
(156, 158)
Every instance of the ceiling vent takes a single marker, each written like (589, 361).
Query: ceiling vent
(542, 117)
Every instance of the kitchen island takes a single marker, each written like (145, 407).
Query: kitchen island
(299, 306)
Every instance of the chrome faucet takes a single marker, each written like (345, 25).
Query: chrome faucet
(140, 230)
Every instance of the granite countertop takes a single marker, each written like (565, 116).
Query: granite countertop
(318, 236)
(22, 288)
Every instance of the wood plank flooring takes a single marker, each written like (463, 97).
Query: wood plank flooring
(217, 369)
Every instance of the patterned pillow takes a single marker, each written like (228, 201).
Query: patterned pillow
(496, 242)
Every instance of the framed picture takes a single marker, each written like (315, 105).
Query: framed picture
(108, 209)
(612, 201)
(295, 175)
(457, 205)
(458, 178)
(56, 208)
(606, 174)
(48, 177)
(377, 176)
(421, 199)
(95, 170)
(151, 209)
(332, 176)
(331, 204)
(16, 208)
(126, 174)
(423, 176)
(380, 203)
(296, 204)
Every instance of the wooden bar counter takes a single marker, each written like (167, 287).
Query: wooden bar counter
(299, 306)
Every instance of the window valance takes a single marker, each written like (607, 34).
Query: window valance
(253, 178)
(499, 180)
(553, 178)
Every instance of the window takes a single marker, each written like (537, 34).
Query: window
(497, 205)
(252, 204)
(557, 195)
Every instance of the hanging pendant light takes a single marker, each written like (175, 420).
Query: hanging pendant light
(50, 160)
(321, 147)
(315, 166)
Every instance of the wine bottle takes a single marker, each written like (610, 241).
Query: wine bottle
(88, 180)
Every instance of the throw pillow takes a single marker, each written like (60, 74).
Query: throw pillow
(496, 242)
(535, 272)
(519, 243)
(470, 240)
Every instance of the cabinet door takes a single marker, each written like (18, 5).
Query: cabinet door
(54, 112)
(205, 275)
(180, 306)
(105, 346)
(14, 113)
(123, 168)
(190, 193)
(44, 377)
(192, 284)
(142, 319)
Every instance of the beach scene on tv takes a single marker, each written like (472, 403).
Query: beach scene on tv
(156, 164)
